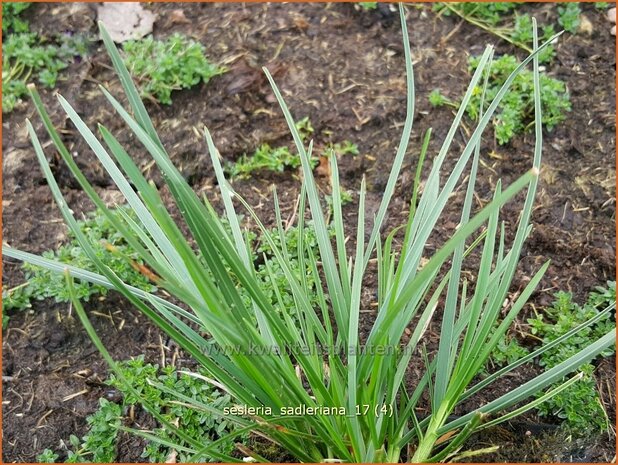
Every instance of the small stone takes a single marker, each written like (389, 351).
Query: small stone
(585, 26)
(125, 20)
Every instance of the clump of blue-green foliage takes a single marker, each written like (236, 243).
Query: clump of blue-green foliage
(99, 443)
(28, 57)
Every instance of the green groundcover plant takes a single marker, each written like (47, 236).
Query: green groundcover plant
(502, 20)
(579, 407)
(27, 57)
(278, 159)
(11, 20)
(318, 390)
(515, 114)
(162, 66)
(42, 283)
(99, 445)
(516, 110)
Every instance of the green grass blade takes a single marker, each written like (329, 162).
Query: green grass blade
(531, 356)
(241, 247)
(357, 439)
(85, 185)
(227, 194)
(403, 143)
(327, 255)
(543, 380)
(123, 185)
(457, 442)
(535, 403)
(89, 276)
(339, 229)
(129, 87)
(448, 347)
(110, 361)
(423, 277)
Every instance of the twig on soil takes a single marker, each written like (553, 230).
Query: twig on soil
(260, 194)
(346, 88)
(290, 221)
(446, 38)
(174, 356)
(19, 330)
(13, 289)
(493, 30)
(361, 120)
(31, 398)
(108, 316)
(74, 395)
(162, 349)
(278, 50)
(39, 423)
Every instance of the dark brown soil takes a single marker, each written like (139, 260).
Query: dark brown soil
(344, 69)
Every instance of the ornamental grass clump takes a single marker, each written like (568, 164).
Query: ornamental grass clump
(272, 364)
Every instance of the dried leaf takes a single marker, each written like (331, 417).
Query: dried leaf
(446, 436)
(323, 168)
(301, 23)
(241, 78)
(178, 17)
